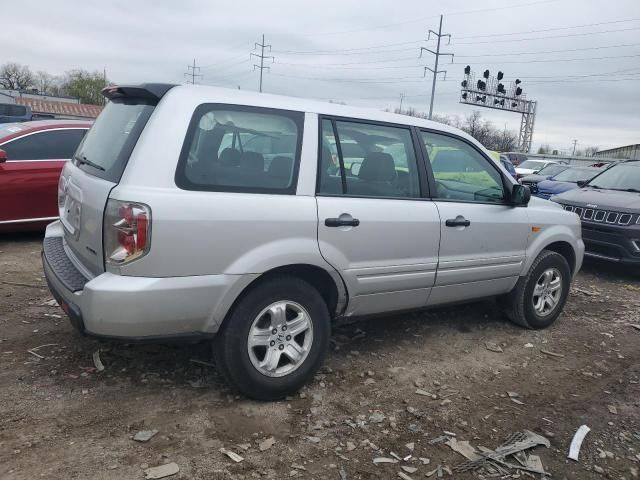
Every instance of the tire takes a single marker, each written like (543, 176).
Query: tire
(279, 304)
(520, 304)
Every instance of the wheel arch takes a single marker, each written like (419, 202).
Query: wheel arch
(566, 250)
(557, 238)
(329, 285)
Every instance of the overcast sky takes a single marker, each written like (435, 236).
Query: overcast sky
(361, 53)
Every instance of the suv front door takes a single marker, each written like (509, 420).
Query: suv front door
(483, 238)
(374, 225)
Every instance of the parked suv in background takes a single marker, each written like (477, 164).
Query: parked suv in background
(172, 225)
(545, 173)
(609, 207)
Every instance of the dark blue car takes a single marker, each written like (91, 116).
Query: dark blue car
(506, 163)
(564, 181)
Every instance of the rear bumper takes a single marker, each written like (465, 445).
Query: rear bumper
(138, 308)
(612, 243)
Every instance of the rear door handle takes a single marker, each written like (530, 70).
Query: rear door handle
(459, 221)
(344, 220)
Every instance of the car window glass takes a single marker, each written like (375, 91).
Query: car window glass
(460, 171)
(46, 145)
(376, 161)
(241, 150)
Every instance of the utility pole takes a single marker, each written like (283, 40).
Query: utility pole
(575, 142)
(401, 99)
(261, 56)
(193, 72)
(437, 54)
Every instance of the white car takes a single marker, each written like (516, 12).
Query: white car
(532, 166)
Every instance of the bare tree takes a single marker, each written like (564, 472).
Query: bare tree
(544, 149)
(591, 151)
(46, 83)
(14, 76)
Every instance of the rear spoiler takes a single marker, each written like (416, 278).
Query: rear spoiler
(147, 91)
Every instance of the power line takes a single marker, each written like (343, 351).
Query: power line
(549, 51)
(332, 52)
(556, 60)
(261, 56)
(551, 29)
(581, 34)
(193, 72)
(437, 56)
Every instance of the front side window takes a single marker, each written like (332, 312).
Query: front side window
(46, 145)
(367, 160)
(241, 149)
(461, 172)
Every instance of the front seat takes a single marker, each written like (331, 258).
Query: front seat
(377, 175)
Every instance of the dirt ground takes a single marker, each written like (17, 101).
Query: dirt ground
(61, 419)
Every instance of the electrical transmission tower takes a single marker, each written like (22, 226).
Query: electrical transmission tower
(261, 56)
(437, 55)
(193, 71)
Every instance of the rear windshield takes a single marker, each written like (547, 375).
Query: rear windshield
(107, 146)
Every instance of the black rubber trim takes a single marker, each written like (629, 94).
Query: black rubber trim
(61, 266)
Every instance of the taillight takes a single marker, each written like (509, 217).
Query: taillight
(61, 192)
(127, 231)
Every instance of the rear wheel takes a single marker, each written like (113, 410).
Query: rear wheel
(539, 297)
(275, 338)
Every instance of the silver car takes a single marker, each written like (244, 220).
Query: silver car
(198, 212)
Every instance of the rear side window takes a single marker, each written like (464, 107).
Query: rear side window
(108, 145)
(241, 149)
(367, 160)
(46, 145)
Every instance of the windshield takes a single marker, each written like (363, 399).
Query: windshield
(576, 174)
(532, 165)
(551, 169)
(623, 176)
(107, 146)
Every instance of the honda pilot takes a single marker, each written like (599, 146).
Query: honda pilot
(203, 213)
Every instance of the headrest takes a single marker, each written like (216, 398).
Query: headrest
(230, 157)
(377, 167)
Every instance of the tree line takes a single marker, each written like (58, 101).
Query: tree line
(483, 130)
(78, 83)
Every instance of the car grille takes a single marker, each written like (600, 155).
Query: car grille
(602, 216)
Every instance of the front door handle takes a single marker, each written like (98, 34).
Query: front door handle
(459, 221)
(344, 220)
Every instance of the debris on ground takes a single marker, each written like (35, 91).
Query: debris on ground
(507, 458)
(51, 303)
(551, 354)
(404, 476)
(144, 436)
(162, 471)
(97, 361)
(493, 347)
(612, 409)
(232, 455)
(266, 444)
(384, 460)
(576, 443)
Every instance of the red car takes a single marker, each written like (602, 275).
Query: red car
(31, 157)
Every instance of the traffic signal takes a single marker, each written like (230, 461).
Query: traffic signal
(518, 82)
(481, 85)
(500, 76)
(518, 91)
(514, 104)
(501, 88)
(464, 84)
(486, 74)
(467, 70)
(464, 96)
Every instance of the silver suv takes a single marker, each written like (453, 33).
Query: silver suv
(256, 220)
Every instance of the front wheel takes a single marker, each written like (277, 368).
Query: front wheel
(275, 338)
(539, 297)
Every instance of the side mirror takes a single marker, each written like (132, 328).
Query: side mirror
(582, 183)
(520, 195)
(3, 156)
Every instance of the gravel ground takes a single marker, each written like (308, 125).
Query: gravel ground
(61, 419)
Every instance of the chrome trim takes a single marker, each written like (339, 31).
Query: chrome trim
(603, 257)
(623, 215)
(601, 219)
(29, 220)
(615, 217)
(42, 131)
(589, 212)
(578, 211)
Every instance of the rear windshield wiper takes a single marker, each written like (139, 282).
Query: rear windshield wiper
(83, 160)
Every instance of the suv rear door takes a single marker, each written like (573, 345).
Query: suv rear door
(96, 168)
(374, 225)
